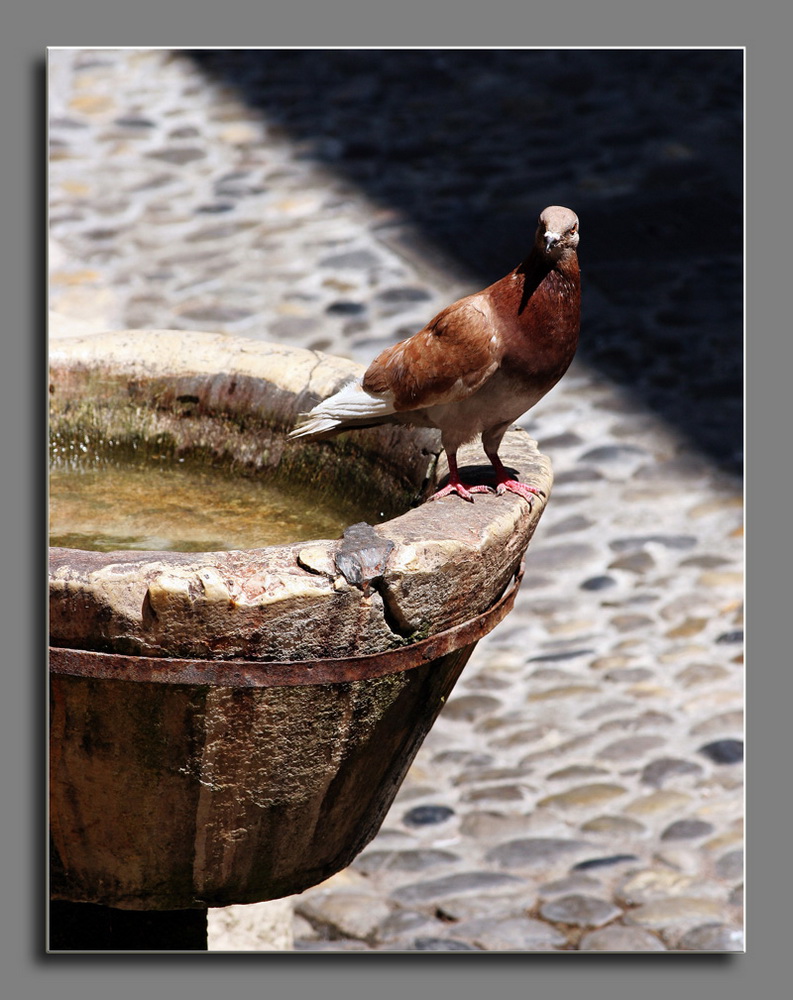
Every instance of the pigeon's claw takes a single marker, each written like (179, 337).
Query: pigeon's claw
(457, 488)
(521, 489)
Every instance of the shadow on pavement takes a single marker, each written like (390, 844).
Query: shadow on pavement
(469, 145)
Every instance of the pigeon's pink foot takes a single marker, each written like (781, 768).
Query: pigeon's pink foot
(456, 487)
(522, 489)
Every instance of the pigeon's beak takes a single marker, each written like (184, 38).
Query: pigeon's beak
(551, 239)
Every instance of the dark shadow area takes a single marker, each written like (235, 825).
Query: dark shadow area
(89, 927)
(469, 145)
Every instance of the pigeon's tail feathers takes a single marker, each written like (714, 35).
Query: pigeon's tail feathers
(351, 406)
(309, 426)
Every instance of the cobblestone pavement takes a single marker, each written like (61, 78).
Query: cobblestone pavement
(582, 789)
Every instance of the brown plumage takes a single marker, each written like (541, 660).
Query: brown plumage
(480, 363)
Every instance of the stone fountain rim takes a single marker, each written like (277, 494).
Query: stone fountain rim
(451, 536)
(246, 350)
(282, 673)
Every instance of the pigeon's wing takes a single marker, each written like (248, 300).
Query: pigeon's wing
(448, 360)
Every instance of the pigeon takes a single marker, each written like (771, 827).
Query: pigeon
(477, 366)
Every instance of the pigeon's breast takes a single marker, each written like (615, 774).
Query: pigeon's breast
(502, 400)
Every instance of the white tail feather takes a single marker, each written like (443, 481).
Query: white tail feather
(350, 405)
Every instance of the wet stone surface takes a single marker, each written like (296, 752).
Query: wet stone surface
(582, 789)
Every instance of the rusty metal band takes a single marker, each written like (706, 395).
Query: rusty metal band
(281, 673)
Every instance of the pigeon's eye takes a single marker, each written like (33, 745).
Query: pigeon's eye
(574, 227)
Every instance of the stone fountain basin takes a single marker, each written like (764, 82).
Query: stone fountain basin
(229, 727)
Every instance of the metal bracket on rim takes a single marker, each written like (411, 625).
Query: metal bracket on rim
(281, 673)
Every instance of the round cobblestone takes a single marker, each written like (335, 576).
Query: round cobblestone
(427, 815)
(685, 829)
(712, 937)
(618, 938)
(580, 910)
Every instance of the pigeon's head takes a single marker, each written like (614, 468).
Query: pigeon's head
(557, 232)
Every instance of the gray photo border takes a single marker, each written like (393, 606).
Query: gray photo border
(30, 28)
